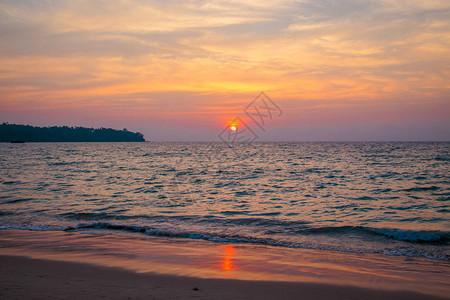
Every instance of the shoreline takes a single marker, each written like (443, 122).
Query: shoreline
(28, 278)
(216, 269)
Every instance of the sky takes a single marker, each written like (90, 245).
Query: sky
(330, 70)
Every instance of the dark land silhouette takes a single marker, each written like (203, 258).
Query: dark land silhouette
(25, 133)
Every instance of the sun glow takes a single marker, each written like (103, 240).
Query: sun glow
(232, 125)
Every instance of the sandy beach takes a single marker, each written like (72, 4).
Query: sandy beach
(61, 265)
(25, 278)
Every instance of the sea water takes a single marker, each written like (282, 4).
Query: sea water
(383, 197)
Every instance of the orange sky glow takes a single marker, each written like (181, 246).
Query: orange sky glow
(182, 70)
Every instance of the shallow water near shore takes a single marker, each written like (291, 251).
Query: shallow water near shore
(387, 198)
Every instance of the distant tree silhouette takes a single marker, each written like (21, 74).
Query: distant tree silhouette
(27, 133)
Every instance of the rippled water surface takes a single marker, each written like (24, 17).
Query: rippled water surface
(389, 198)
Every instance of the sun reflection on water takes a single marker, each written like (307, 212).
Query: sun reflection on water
(228, 255)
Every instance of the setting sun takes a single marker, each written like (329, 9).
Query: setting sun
(232, 125)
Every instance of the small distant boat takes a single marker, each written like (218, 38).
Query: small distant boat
(17, 141)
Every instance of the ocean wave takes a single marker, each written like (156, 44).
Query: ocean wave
(422, 188)
(402, 235)
(413, 236)
(288, 227)
(419, 236)
(10, 182)
(173, 232)
(17, 200)
(6, 213)
(209, 219)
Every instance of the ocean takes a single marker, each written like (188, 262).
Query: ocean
(390, 198)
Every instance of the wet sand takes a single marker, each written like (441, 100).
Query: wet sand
(25, 278)
(61, 265)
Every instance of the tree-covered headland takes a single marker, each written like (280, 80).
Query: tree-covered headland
(27, 133)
